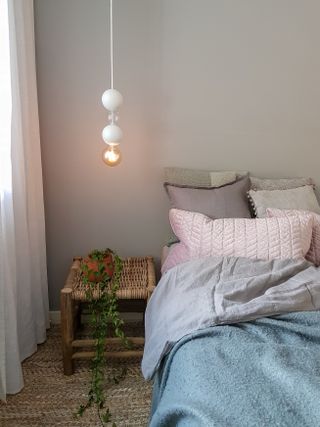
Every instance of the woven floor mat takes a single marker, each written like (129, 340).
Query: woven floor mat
(50, 399)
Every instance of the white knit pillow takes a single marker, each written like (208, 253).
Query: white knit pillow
(302, 198)
(279, 183)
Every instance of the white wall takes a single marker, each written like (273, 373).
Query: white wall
(207, 84)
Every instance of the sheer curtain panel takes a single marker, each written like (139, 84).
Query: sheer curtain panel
(24, 314)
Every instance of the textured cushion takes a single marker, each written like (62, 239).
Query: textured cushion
(217, 179)
(313, 254)
(278, 184)
(176, 254)
(262, 238)
(199, 178)
(228, 201)
(296, 198)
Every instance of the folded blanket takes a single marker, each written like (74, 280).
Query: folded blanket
(214, 291)
(260, 374)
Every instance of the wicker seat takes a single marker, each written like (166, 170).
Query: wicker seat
(137, 282)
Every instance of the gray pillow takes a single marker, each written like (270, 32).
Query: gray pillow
(199, 177)
(183, 176)
(227, 201)
(278, 184)
(301, 198)
(218, 179)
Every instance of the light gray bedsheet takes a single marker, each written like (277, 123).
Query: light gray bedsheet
(213, 291)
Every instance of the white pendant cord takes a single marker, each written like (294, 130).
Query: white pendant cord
(111, 44)
(111, 100)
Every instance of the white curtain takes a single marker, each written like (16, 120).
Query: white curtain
(24, 314)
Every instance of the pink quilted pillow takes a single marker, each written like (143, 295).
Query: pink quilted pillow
(313, 254)
(178, 254)
(259, 238)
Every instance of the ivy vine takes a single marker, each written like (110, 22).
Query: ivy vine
(103, 311)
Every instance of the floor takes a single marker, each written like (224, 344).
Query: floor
(50, 399)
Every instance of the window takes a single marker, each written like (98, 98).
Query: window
(5, 101)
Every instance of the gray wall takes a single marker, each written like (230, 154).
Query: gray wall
(207, 84)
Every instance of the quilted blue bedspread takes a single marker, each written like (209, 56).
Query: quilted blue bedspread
(263, 373)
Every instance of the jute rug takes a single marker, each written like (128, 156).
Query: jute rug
(50, 399)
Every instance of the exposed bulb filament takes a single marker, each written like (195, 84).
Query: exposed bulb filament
(111, 155)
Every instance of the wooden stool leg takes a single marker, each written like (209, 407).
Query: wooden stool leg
(67, 326)
(78, 313)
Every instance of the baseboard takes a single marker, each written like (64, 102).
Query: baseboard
(55, 318)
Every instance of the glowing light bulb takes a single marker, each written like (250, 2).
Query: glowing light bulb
(111, 155)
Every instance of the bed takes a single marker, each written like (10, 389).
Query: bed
(233, 327)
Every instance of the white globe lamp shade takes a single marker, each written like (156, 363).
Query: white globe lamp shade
(112, 99)
(112, 134)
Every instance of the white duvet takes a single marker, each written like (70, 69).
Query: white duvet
(220, 290)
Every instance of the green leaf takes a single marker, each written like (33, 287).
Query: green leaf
(106, 417)
(103, 312)
(81, 410)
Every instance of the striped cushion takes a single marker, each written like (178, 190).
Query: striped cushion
(200, 178)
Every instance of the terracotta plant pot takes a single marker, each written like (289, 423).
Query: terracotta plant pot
(93, 267)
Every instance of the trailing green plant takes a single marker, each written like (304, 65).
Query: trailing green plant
(104, 313)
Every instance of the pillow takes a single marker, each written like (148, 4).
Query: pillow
(217, 179)
(278, 184)
(302, 198)
(227, 201)
(262, 238)
(313, 254)
(200, 178)
(176, 254)
(182, 176)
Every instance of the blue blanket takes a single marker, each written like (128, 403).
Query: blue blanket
(263, 373)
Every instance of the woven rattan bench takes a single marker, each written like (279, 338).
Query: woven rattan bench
(137, 282)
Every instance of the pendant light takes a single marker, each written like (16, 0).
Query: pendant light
(112, 100)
